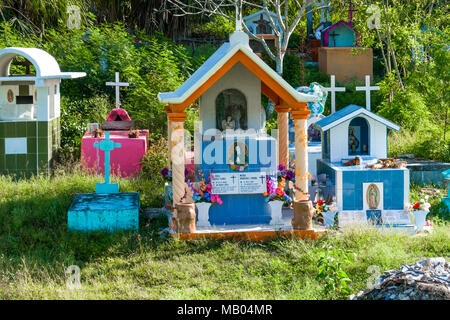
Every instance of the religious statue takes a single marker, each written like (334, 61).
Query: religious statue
(10, 96)
(228, 123)
(236, 113)
(353, 140)
(373, 198)
(239, 157)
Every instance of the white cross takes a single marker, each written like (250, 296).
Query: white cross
(333, 89)
(117, 84)
(367, 88)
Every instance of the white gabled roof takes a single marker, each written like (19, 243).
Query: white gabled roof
(349, 112)
(45, 64)
(216, 61)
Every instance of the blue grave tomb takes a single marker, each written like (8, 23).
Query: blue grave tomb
(362, 193)
(107, 209)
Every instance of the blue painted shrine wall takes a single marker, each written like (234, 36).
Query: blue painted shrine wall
(352, 185)
(239, 208)
(393, 187)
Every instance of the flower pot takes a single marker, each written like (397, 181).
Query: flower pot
(185, 218)
(203, 214)
(276, 207)
(420, 218)
(328, 218)
(303, 213)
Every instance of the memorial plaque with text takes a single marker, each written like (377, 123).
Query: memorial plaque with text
(238, 183)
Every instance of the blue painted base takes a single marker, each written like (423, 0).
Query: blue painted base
(240, 209)
(110, 212)
(106, 188)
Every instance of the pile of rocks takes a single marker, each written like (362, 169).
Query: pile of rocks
(424, 280)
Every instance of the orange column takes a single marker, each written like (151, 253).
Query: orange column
(283, 134)
(169, 137)
(300, 116)
(177, 154)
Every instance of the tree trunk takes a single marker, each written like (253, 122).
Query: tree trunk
(391, 49)
(279, 65)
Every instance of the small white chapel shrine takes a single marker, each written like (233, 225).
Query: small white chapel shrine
(29, 110)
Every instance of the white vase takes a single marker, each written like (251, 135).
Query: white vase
(328, 218)
(275, 212)
(203, 214)
(420, 218)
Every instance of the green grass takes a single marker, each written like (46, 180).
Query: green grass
(36, 249)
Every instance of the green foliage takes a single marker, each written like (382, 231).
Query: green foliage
(76, 114)
(330, 265)
(155, 159)
(219, 26)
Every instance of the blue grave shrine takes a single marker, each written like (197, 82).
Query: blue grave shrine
(362, 193)
(107, 209)
(230, 144)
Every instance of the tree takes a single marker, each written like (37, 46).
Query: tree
(225, 8)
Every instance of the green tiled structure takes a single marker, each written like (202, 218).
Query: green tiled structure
(29, 111)
(43, 139)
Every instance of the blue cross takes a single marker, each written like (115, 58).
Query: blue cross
(107, 145)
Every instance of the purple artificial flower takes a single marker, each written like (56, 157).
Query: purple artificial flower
(281, 167)
(270, 185)
(290, 175)
(164, 172)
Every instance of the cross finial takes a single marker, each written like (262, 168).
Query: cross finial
(333, 89)
(351, 10)
(107, 145)
(238, 6)
(367, 88)
(117, 84)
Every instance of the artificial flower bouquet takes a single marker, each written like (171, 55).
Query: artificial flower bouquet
(276, 191)
(321, 207)
(422, 205)
(202, 192)
(284, 173)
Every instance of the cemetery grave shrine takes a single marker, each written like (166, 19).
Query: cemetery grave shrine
(30, 110)
(362, 194)
(127, 159)
(230, 143)
(336, 56)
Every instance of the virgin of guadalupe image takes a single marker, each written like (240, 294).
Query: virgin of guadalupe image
(353, 140)
(239, 156)
(373, 198)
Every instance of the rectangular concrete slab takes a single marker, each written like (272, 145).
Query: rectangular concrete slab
(110, 212)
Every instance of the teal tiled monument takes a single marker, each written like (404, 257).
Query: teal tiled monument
(107, 209)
